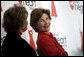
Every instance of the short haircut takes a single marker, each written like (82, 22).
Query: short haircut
(14, 18)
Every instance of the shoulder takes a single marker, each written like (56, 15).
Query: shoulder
(42, 35)
(44, 39)
(45, 36)
(27, 48)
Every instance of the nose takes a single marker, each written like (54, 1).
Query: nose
(46, 22)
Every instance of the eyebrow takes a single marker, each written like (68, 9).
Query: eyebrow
(41, 19)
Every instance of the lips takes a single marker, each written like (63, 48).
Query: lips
(46, 26)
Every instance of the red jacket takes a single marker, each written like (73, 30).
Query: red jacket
(48, 45)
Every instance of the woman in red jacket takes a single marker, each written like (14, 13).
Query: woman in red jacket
(47, 45)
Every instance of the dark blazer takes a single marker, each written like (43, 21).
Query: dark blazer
(14, 45)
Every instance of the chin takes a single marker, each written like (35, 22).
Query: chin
(46, 30)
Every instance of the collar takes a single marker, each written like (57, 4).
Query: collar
(49, 34)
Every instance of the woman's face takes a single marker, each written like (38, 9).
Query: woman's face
(44, 23)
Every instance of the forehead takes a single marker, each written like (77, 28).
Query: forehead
(44, 16)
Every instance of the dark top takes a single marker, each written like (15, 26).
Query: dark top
(47, 45)
(14, 45)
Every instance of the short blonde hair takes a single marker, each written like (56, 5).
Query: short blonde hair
(14, 18)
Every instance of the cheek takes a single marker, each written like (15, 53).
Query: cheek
(49, 23)
(40, 26)
(25, 27)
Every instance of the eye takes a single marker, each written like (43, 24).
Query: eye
(41, 20)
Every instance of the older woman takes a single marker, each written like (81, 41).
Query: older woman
(14, 23)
